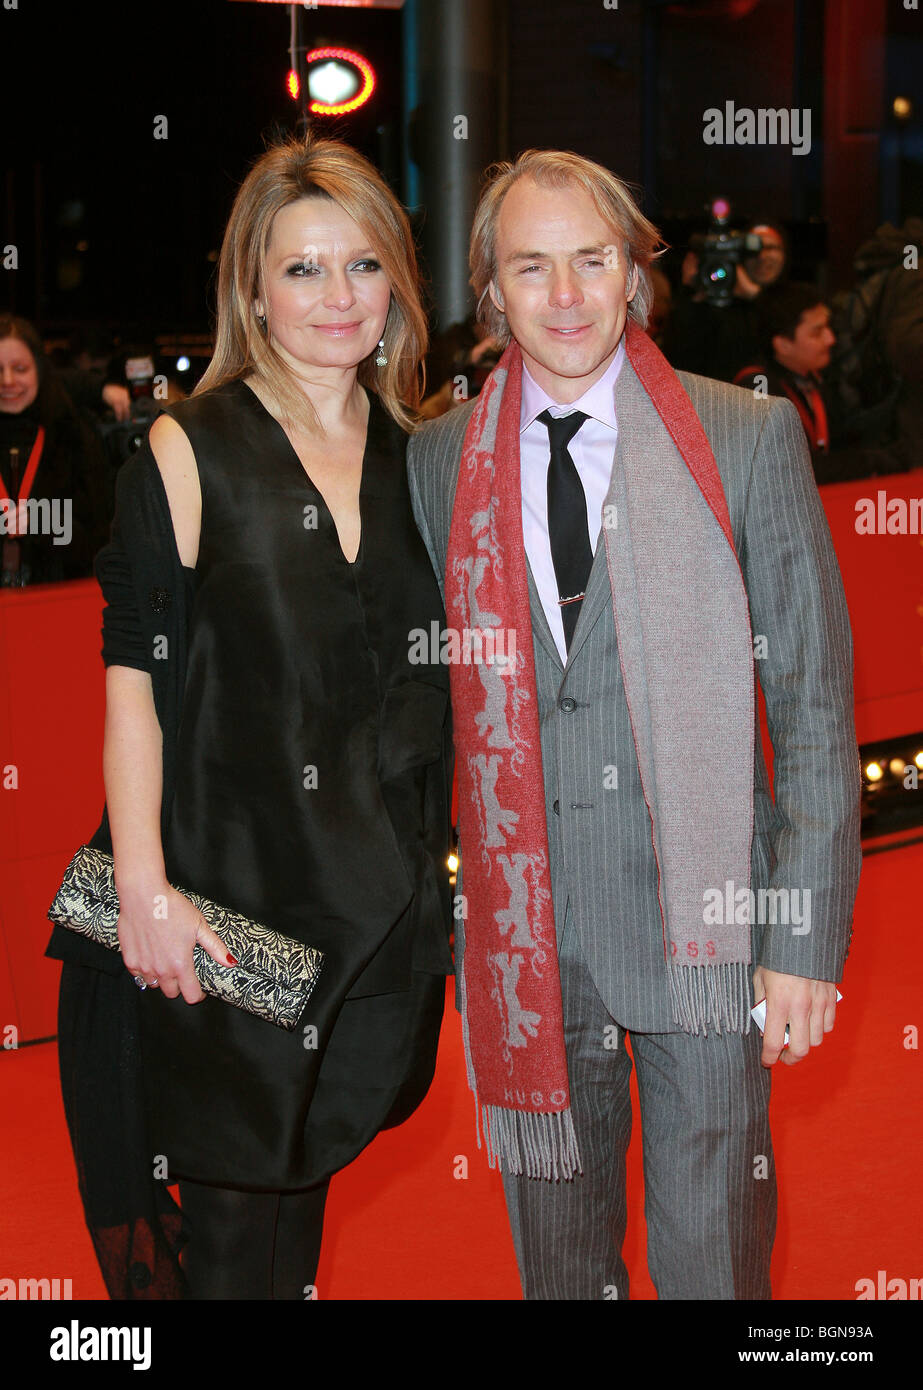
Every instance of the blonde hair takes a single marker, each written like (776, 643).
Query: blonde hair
(560, 169)
(314, 168)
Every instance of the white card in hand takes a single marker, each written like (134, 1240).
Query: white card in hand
(758, 1014)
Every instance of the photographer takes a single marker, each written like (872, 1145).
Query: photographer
(714, 327)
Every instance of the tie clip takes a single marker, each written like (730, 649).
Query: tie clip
(575, 598)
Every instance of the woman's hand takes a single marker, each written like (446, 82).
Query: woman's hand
(158, 928)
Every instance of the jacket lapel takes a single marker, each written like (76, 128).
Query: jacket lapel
(541, 632)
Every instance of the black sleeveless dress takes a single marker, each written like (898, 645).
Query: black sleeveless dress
(311, 794)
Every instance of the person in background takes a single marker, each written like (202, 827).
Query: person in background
(770, 264)
(87, 376)
(797, 341)
(876, 375)
(53, 514)
(460, 360)
(717, 341)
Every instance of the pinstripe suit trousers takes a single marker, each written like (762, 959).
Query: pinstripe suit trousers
(710, 1186)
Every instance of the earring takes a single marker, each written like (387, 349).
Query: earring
(382, 359)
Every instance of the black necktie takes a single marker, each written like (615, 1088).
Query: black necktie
(571, 552)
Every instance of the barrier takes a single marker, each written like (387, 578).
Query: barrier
(52, 710)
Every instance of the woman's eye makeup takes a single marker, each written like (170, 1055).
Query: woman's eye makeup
(368, 264)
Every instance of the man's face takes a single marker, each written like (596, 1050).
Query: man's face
(562, 284)
(808, 352)
(768, 263)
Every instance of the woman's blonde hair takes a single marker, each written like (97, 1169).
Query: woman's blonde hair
(560, 169)
(314, 168)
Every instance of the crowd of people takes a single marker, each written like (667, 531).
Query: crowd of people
(852, 365)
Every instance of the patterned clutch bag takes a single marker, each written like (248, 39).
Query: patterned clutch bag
(274, 977)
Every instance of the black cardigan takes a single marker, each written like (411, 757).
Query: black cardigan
(136, 1226)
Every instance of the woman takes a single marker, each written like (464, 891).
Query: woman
(52, 469)
(275, 749)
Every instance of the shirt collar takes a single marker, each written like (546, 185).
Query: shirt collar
(598, 402)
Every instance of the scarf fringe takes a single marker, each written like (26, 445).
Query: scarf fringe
(711, 995)
(536, 1144)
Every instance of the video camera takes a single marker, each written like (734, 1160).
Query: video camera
(720, 252)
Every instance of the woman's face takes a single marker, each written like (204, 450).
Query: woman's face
(18, 376)
(325, 295)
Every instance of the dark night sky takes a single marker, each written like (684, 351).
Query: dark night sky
(81, 86)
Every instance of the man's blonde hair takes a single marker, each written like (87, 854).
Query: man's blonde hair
(560, 169)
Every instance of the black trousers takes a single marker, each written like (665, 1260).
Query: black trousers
(251, 1245)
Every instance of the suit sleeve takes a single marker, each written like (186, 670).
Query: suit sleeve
(415, 450)
(797, 604)
(419, 467)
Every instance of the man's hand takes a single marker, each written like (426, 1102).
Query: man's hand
(117, 398)
(744, 287)
(807, 1006)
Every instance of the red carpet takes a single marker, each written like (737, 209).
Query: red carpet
(401, 1225)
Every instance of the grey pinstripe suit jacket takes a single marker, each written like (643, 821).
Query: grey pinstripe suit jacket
(603, 871)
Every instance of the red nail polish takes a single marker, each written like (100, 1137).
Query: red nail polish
(231, 960)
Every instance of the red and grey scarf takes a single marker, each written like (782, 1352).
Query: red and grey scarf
(685, 648)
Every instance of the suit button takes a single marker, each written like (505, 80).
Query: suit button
(568, 705)
(555, 807)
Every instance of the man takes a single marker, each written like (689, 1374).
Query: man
(613, 800)
(768, 265)
(797, 339)
(716, 340)
(876, 376)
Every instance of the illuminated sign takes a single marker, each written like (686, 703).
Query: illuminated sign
(339, 80)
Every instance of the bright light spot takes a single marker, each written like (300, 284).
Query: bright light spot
(339, 80)
(332, 83)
